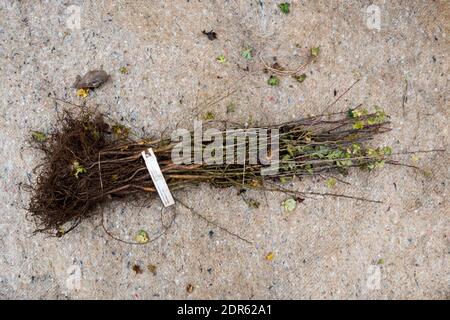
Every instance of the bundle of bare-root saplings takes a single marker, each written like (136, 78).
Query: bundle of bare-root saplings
(88, 162)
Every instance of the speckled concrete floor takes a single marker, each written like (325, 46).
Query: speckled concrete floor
(327, 248)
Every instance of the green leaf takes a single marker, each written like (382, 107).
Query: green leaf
(335, 154)
(300, 78)
(141, 237)
(387, 150)
(304, 149)
(284, 7)
(322, 151)
(231, 108)
(289, 204)
(358, 125)
(291, 150)
(371, 121)
(221, 59)
(427, 173)
(380, 117)
(247, 54)
(252, 203)
(285, 180)
(344, 163)
(331, 182)
(209, 116)
(379, 164)
(120, 131)
(356, 148)
(288, 163)
(78, 169)
(308, 168)
(315, 52)
(379, 112)
(39, 136)
(123, 70)
(273, 81)
(357, 113)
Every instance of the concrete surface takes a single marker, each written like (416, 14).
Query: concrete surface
(327, 248)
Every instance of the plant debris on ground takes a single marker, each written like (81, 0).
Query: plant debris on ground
(91, 80)
(210, 34)
(285, 7)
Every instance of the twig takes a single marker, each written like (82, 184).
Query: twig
(405, 97)
(211, 222)
(286, 72)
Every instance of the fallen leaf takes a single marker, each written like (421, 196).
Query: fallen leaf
(152, 269)
(78, 169)
(221, 59)
(83, 93)
(123, 70)
(331, 182)
(247, 54)
(285, 180)
(300, 78)
(120, 131)
(315, 52)
(39, 136)
(284, 7)
(427, 173)
(269, 256)
(190, 288)
(209, 116)
(137, 269)
(273, 81)
(253, 203)
(289, 204)
(141, 237)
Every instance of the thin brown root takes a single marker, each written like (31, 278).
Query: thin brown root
(195, 213)
(166, 229)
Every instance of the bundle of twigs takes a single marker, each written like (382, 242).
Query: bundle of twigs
(88, 161)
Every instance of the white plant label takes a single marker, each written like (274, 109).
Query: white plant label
(158, 179)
